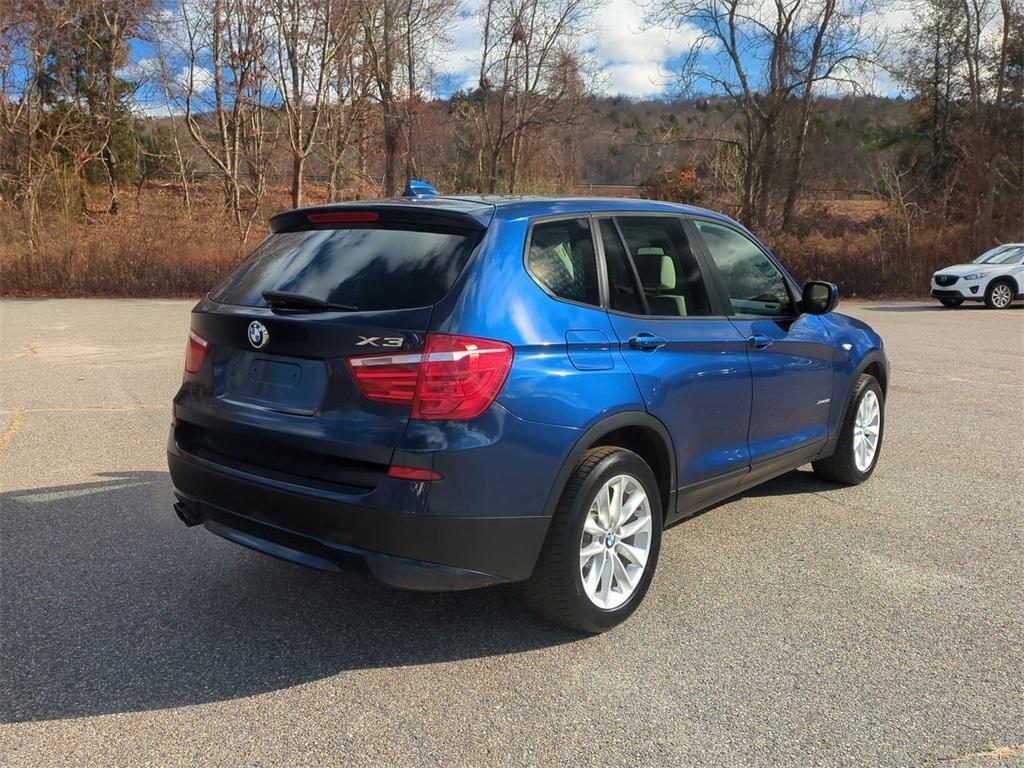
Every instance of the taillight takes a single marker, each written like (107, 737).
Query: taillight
(460, 376)
(195, 354)
(454, 377)
(387, 378)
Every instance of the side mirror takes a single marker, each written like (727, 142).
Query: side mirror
(819, 298)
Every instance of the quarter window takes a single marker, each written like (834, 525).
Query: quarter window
(756, 286)
(561, 258)
(669, 274)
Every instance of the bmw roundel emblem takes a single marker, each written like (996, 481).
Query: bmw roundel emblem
(258, 334)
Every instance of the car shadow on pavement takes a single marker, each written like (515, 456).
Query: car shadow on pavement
(791, 484)
(108, 604)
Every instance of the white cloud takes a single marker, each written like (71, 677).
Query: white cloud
(146, 68)
(895, 24)
(634, 78)
(202, 79)
(631, 57)
(460, 62)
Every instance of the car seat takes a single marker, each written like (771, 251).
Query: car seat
(658, 277)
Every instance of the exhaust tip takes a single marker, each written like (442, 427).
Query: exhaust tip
(186, 514)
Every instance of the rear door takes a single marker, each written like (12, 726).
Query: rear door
(791, 354)
(276, 392)
(689, 361)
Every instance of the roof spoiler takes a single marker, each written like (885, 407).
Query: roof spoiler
(380, 214)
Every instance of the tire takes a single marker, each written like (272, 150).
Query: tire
(951, 302)
(556, 590)
(999, 294)
(842, 466)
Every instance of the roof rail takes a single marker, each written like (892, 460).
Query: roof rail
(417, 188)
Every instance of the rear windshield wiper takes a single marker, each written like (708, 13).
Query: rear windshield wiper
(299, 302)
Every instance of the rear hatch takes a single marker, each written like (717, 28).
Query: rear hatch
(274, 391)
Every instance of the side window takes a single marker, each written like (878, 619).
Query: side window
(622, 292)
(669, 274)
(561, 258)
(756, 286)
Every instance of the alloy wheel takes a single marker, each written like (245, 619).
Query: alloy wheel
(866, 430)
(1001, 295)
(616, 542)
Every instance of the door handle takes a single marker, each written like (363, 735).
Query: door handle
(648, 342)
(760, 341)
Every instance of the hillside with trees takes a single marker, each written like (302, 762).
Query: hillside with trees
(144, 144)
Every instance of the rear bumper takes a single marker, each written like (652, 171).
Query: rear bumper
(321, 530)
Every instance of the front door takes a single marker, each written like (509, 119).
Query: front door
(791, 354)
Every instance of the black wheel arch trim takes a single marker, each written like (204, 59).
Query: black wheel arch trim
(872, 357)
(594, 433)
(1012, 280)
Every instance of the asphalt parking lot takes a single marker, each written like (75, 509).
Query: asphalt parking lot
(799, 624)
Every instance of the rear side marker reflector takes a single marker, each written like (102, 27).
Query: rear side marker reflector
(453, 378)
(343, 217)
(412, 473)
(195, 353)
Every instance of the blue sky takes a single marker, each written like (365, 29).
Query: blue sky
(633, 58)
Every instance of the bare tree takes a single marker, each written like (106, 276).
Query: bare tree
(347, 111)
(233, 38)
(41, 109)
(160, 29)
(530, 75)
(27, 35)
(822, 28)
(897, 188)
(307, 44)
(379, 33)
(397, 36)
(761, 56)
(957, 58)
(116, 23)
(987, 75)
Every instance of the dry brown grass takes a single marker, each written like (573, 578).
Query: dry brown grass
(152, 248)
(873, 262)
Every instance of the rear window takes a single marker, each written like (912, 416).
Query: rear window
(368, 268)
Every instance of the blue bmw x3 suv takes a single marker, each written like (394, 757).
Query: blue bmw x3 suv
(465, 391)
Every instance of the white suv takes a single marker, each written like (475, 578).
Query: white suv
(996, 277)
